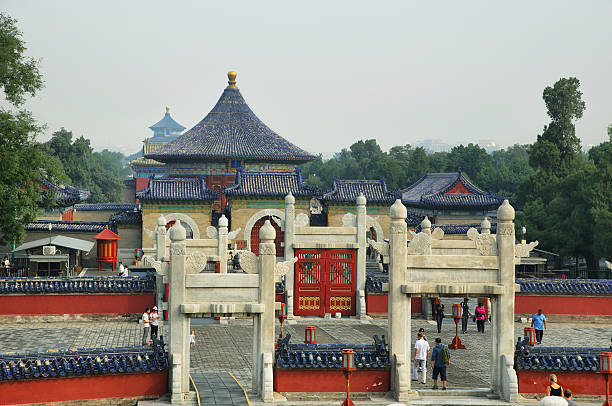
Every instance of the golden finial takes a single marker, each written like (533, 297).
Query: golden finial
(232, 80)
(167, 109)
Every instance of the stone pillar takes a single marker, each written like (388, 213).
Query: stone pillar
(178, 342)
(222, 248)
(160, 238)
(399, 305)
(504, 309)
(361, 255)
(289, 252)
(264, 322)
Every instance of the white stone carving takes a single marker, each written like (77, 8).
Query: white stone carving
(381, 247)
(195, 262)
(349, 220)
(486, 244)
(212, 233)
(149, 233)
(609, 265)
(248, 261)
(420, 244)
(523, 250)
(505, 229)
(282, 268)
(267, 249)
(437, 234)
(181, 250)
(150, 262)
(232, 234)
(302, 220)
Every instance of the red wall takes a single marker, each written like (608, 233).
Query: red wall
(379, 304)
(75, 304)
(580, 305)
(580, 383)
(90, 387)
(330, 380)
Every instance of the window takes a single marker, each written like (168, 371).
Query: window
(235, 164)
(167, 132)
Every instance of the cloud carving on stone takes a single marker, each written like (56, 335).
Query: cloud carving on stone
(381, 247)
(232, 234)
(486, 244)
(523, 250)
(212, 233)
(195, 262)
(302, 220)
(420, 244)
(248, 262)
(282, 268)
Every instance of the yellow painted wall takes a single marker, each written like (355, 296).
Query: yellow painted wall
(378, 212)
(199, 212)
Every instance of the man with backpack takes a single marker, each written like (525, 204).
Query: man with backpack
(440, 358)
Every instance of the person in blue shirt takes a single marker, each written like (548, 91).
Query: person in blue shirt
(439, 367)
(538, 322)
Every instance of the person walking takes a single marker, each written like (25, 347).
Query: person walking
(440, 359)
(538, 322)
(554, 389)
(480, 315)
(465, 315)
(154, 322)
(192, 342)
(567, 395)
(421, 353)
(146, 326)
(439, 315)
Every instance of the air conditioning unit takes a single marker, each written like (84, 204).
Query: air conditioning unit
(49, 250)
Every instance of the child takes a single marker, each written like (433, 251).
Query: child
(192, 339)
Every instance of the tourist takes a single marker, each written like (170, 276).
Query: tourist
(154, 322)
(192, 339)
(421, 352)
(538, 322)
(146, 326)
(121, 268)
(480, 315)
(6, 265)
(567, 395)
(439, 315)
(124, 273)
(554, 389)
(465, 315)
(422, 330)
(440, 358)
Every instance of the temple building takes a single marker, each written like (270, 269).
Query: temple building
(449, 198)
(238, 166)
(164, 131)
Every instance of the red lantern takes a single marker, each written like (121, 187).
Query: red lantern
(456, 311)
(605, 359)
(282, 316)
(310, 335)
(530, 334)
(107, 247)
(348, 366)
(456, 344)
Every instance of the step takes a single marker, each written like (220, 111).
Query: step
(478, 393)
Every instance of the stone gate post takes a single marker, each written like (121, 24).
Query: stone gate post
(289, 252)
(160, 238)
(505, 376)
(399, 305)
(264, 323)
(361, 256)
(222, 240)
(178, 342)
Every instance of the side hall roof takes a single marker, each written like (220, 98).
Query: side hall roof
(269, 183)
(60, 241)
(167, 122)
(231, 131)
(66, 195)
(69, 226)
(453, 190)
(345, 190)
(177, 189)
(106, 206)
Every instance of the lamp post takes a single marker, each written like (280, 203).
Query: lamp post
(310, 335)
(456, 344)
(523, 232)
(348, 366)
(530, 335)
(49, 227)
(605, 367)
(282, 316)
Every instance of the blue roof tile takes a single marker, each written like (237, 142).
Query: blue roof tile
(432, 191)
(106, 206)
(269, 183)
(177, 189)
(231, 131)
(458, 228)
(126, 217)
(66, 195)
(575, 359)
(77, 284)
(375, 191)
(69, 226)
(566, 286)
(167, 122)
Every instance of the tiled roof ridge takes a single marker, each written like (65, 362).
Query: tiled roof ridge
(243, 174)
(105, 206)
(152, 192)
(387, 196)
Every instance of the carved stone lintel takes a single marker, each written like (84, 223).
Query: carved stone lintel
(523, 250)
(505, 229)
(282, 268)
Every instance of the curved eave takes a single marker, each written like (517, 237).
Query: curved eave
(173, 158)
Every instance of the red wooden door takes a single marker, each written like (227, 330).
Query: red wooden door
(340, 283)
(309, 291)
(325, 282)
(280, 236)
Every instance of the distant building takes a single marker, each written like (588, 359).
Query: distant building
(433, 145)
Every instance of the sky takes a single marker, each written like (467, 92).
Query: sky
(322, 74)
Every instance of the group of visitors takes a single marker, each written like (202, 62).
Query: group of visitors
(555, 395)
(479, 316)
(440, 359)
(150, 325)
(123, 270)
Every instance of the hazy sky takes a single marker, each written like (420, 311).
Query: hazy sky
(321, 74)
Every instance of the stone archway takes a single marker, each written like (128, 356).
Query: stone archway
(186, 220)
(373, 223)
(277, 215)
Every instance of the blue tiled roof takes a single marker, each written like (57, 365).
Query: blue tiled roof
(375, 191)
(577, 359)
(458, 228)
(413, 219)
(66, 194)
(231, 130)
(177, 189)
(566, 286)
(71, 226)
(432, 188)
(105, 206)
(167, 122)
(83, 362)
(126, 217)
(270, 183)
(70, 284)
(367, 356)
(374, 282)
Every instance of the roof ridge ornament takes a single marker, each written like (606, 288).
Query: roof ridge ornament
(167, 109)
(231, 76)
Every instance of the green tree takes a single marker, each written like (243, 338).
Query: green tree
(20, 157)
